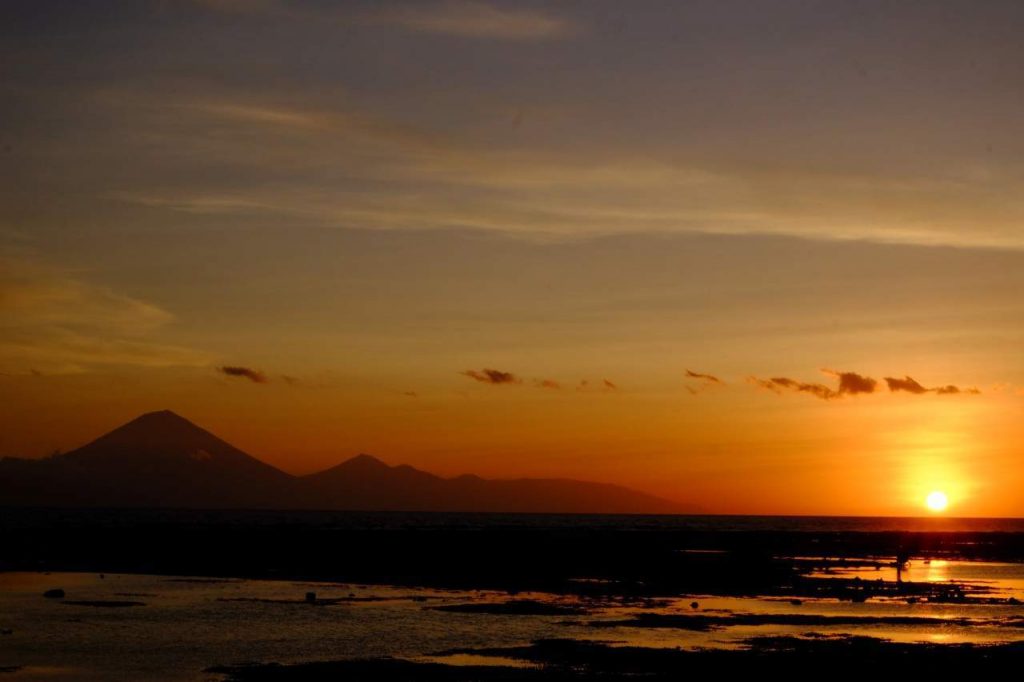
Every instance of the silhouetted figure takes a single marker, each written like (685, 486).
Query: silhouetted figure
(311, 597)
(902, 559)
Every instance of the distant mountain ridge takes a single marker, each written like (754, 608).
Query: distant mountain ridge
(161, 459)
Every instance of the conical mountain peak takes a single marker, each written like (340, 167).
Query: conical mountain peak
(161, 459)
(166, 437)
(364, 462)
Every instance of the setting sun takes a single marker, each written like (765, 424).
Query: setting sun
(937, 501)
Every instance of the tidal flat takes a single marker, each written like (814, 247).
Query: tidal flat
(413, 597)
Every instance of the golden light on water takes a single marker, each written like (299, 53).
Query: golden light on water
(937, 501)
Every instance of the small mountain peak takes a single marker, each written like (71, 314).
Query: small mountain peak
(160, 417)
(163, 423)
(365, 462)
(363, 458)
(162, 431)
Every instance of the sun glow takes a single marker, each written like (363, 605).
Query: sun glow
(937, 501)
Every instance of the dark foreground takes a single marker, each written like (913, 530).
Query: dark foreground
(567, 659)
(588, 568)
(623, 555)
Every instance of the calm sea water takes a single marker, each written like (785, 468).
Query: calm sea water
(20, 518)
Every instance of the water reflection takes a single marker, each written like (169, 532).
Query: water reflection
(1001, 580)
(187, 625)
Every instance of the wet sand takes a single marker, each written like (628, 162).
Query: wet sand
(787, 657)
(443, 597)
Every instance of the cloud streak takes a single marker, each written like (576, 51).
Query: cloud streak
(55, 322)
(475, 20)
(710, 378)
(852, 384)
(849, 383)
(252, 375)
(705, 381)
(492, 376)
(780, 384)
(910, 385)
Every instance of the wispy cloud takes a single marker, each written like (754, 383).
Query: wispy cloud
(240, 6)
(849, 383)
(605, 385)
(910, 385)
(492, 376)
(710, 378)
(475, 20)
(852, 383)
(703, 381)
(528, 190)
(462, 18)
(249, 373)
(780, 384)
(498, 377)
(53, 321)
(906, 384)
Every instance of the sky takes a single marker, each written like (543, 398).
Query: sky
(760, 257)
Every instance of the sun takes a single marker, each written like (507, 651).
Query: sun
(936, 501)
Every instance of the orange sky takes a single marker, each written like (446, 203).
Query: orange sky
(363, 208)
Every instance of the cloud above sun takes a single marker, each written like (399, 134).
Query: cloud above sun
(852, 384)
(910, 385)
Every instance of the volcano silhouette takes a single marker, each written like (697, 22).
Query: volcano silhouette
(163, 460)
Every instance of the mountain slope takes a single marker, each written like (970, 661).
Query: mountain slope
(156, 460)
(366, 483)
(163, 460)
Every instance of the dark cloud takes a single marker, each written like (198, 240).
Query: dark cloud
(910, 385)
(818, 390)
(244, 372)
(710, 378)
(851, 383)
(492, 376)
(594, 386)
(905, 384)
(411, 394)
(548, 383)
(706, 381)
